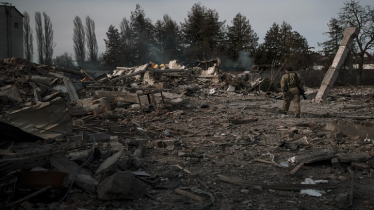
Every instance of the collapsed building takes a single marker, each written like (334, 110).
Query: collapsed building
(161, 136)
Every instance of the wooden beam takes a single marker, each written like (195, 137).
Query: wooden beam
(71, 90)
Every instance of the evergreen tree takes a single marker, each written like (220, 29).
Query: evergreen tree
(281, 44)
(202, 33)
(241, 37)
(142, 36)
(112, 55)
(167, 39)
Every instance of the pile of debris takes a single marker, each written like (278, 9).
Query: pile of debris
(63, 127)
(173, 136)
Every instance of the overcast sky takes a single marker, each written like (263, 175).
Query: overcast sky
(308, 17)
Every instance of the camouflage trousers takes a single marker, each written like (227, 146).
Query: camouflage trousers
(294, 96)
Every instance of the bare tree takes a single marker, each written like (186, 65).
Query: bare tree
(27, 37)
(48, 35)
(79, 39)
(362, 17)
(91, 39)
(39, 36)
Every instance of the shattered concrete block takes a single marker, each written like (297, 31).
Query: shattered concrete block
(83, 179)
(335, 163)
(86, 182)
(245, 191)
(116, 146)
(109, 162)
(231, 88)
(360, 166)
(121, 185)
(176, 101)
(81, 155)
(10, 93)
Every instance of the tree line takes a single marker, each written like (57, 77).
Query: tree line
(202, 36)
(82, 36)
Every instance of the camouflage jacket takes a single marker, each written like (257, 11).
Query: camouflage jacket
(289, 80)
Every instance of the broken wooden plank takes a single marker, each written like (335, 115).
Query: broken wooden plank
(40, 79)
(36, 91)
(46, 98)
(263, 161)
(316, 156)
(357, 107)
(58, 75)
(121, 96)
(291, 187)
(40, 70)
(189, 195)
(87, 74)
(296, 168)
(71, 90)
(142, 69)
(53, 81)
(181, 168)
(30, 196)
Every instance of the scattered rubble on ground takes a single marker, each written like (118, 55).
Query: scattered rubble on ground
(168, 136)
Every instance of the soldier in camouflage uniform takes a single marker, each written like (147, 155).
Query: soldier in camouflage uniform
(290, 90)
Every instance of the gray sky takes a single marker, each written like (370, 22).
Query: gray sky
(308, 17)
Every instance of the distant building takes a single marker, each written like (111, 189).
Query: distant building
(11, 31)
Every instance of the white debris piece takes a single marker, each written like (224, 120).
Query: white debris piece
(312, 192)
(231, 88)
(212, 91)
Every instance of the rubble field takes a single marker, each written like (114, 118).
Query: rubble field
(174, 137)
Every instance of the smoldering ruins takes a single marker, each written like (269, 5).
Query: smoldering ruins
(171, 136)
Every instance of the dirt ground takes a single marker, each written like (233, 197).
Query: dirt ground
(234, 135)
